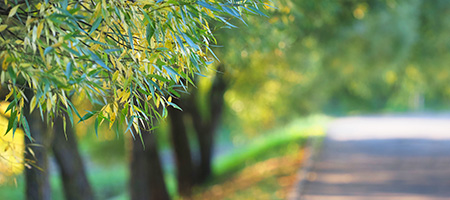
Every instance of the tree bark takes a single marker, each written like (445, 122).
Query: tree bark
(205, 127)
(146, 174)
(37, 186)
(71, 168)
(182, 151)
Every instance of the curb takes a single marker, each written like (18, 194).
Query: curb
(313, 146)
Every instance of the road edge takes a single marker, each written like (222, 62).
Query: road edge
(313, 147)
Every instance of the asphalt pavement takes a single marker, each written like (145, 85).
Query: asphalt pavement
(382, 157)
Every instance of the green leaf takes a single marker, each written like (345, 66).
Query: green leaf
(149, 32)
(194, 61)
(180, 43)
(231, 11)
(162, 49)
(130, 36)
(95, 25)
(25, 126)
(88, 115)
(74, 109)
(257, 10)
(11, 120)
(96, 59)
(96, 126)
(190, 42)
(69, 69)
(175, 106)
(206, 5)
(69, 113)
(10, 106)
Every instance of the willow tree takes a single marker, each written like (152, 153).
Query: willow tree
(128, 58)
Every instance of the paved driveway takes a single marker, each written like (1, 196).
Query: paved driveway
(405, 158)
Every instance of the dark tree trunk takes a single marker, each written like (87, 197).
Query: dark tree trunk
(205, 141)
(146, 174)
(205, 127)
(71, 168)
(182, 150)
(37, 186)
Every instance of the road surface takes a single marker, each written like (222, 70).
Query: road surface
(387, 157)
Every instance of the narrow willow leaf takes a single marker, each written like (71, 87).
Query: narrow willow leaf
(96, 59)
(13, 11)
(257, 10)
(108, 51)
(48, 50)
(206, 5)
(130, 36)
(87, 116)
(3, 27)
(149, 33)
(96, 126)
(180, 43)
(190, 42)
(95, 25)
(69, 69)
(9, 94)
(11, 121)
(175, 106)
(32, 104)
(25, 126)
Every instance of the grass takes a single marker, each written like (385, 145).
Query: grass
(296, 131)
(264, 168)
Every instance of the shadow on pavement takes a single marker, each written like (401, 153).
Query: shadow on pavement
(358, 163)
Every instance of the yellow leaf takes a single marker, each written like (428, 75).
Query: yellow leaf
(9, 95)
(3, 106)
(119, 65)
(21, 104)
(209, 13)
(123, 96)
(98, 10)
(32, 104)
(41, 52)
(49, 105)
(95, 47)
(56, 45)
(112, 117)
(157, 100)
(122, 55)
(114, 63)
(115, 75)
(137, 108)
(29, 21)
(3, 27)
(39, 29)
(5, 61)
(13, 11)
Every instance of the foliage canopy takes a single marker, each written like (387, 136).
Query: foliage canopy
(129, 58)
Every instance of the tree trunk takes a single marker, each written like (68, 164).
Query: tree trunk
(37, 186)
(182, 150)
(205, 127)
(71, 168)
(205, 142)
(146, 174)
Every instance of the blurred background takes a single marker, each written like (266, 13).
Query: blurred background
(277, 80)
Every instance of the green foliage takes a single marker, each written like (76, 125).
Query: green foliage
(337, 57)
(128, 58)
